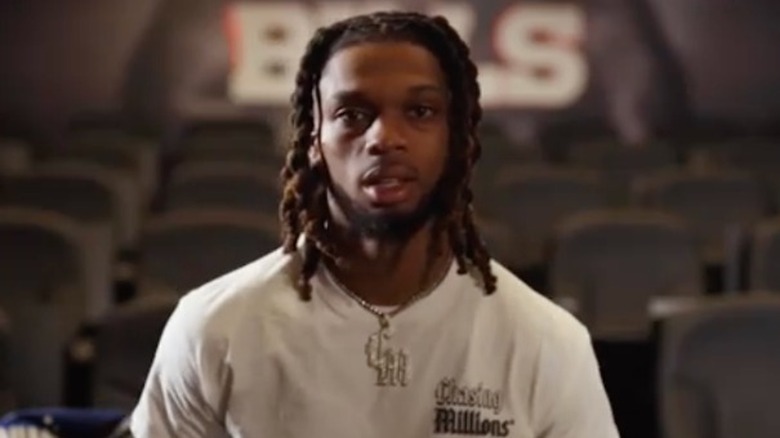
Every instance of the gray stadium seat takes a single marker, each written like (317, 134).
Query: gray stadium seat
(45, 288)
(499, 239)
(79, 197)
(759, 156)
(85, 198)
(619, 164)
(6, 391)
(137, 158)
(612, 264)
(187, 248)
(748, 153)
(499, 151)
(126, 209)
(719, 370)
(714, 204)
(241, 186)
(15, 156)
(764, 271)
(224, 140)
(534, 199)
(125, 345)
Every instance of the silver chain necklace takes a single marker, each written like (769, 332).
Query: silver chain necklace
(391, 365)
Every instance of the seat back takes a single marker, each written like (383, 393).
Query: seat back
(44, 287)
(764, 271)
(114, 149)
(224, 140)
(240, 186)
(15, 156)
(613, 262)
(536, 199)
(185, 249)
(6, 389)
(125, 344)
(619, 164)
(714, 203)
(718, 373)
(126, 201)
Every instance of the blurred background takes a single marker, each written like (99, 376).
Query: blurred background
(630, 171)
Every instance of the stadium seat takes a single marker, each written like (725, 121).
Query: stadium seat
(184, 249)
(126, 208)
(714, 203)
(78, 196)
(612, 264)
(240, 186)
(6, 391)
(756, 155)
(499, 151)
(718, 369)
(226, 140)
(125, 344)
(534, 199)
(15, 156)
(764, 270)
(45, 287)
(618, 164)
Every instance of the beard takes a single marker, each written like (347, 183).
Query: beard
(395, 227)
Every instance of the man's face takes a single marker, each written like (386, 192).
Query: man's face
(384, 135)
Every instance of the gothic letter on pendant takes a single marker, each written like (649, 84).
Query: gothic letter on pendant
(391, 366)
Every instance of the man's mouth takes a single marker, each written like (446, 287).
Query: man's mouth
(388, 185)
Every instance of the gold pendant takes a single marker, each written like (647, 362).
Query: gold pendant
(391, 366)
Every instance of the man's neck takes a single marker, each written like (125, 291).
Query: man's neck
(388, 272)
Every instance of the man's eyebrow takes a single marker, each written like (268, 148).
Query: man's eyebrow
(348, 96)
(427, 88)
(353, 96)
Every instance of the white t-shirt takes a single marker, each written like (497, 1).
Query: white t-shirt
(244, 356)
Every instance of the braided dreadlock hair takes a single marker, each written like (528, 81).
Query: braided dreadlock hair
(304, 209)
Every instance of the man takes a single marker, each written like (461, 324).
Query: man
(383, 314)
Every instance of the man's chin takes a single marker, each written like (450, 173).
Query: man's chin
(391, 225)
(390, 210)
(397, 221)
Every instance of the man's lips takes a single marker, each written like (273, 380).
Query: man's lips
(387, 185)
(388, 175)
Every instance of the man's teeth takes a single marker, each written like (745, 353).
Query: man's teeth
(389, 182)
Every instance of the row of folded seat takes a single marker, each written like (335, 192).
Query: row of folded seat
(55, 278)
(79, 220)
(719, 351)
(720, 208)
(530, 198)
(716, 373)
(612, 268)
(611, 257)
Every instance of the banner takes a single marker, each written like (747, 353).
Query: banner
(533, 59)
(639, 68)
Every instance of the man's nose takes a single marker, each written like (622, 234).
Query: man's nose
(387, 133)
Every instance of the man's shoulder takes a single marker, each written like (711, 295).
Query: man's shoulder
(533, 314)
(213, 308)
(269, 269)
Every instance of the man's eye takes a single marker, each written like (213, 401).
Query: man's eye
(352, 116)
(422, 111)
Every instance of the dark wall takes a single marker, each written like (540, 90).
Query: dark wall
(729, 52)
(62, 56)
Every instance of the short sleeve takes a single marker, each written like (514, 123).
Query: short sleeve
(183, 391)
(572, 400)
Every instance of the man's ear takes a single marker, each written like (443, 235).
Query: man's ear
(315, 156)
(315, 153)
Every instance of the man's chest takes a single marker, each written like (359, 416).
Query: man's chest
(361, 383)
